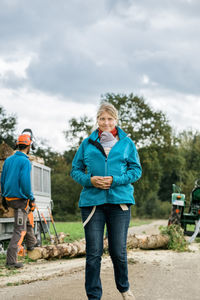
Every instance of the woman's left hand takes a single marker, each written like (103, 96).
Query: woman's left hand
(106, 182)
(101, 182)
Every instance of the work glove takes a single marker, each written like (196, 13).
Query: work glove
(4, 203)
(32, 204)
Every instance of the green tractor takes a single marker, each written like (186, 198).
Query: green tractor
(180, 216)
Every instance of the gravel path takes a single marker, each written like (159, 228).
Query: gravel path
(153, 274)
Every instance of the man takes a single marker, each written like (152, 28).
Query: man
(16, 193)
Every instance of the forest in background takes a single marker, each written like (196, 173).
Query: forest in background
(167, 157)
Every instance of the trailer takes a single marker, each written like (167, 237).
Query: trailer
(41, 187)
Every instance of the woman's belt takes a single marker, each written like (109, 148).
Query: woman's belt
(123, 207)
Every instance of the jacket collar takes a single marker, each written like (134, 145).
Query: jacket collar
(21, 154)
(121, 134)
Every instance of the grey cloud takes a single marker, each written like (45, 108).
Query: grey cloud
(27, 21)
(10, 80)
(69, 75)
(89, 47)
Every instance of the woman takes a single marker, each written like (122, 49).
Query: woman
(106, 164)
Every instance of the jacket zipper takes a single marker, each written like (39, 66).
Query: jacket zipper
(106, 171)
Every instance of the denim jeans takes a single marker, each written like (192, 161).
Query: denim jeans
(117, 223)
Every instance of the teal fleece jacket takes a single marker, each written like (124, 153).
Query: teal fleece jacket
(122, 164)
(16, 177)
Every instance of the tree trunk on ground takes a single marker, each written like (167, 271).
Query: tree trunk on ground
(78, 248)
(148, 242)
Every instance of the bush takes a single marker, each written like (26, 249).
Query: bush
(177, 240)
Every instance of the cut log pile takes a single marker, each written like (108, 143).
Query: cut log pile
(78, 248)
(36, 159)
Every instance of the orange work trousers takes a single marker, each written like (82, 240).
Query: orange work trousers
(22, 230)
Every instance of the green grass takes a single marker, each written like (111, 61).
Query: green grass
(13, 284)
(139, 222)
(192, 228)
(2, 263)
(4, 272)
(75, 230)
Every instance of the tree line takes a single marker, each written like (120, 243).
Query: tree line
(166, 157)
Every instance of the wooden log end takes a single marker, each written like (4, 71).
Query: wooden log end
(36, 253)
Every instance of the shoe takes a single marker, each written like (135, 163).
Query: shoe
(128, 295)
(16, 265)
(32, 247)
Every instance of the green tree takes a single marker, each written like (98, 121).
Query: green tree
(189, 149)
(144, 125)
(146, 189)
(65, 193)
(78, 130)
(189, 143)
(7, 128)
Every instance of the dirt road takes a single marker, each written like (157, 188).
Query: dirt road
(153, 274)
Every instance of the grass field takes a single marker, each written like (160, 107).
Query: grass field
(75, 230)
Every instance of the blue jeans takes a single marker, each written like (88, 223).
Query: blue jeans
(117, 223)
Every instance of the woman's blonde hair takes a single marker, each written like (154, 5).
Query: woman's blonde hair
(109, 108)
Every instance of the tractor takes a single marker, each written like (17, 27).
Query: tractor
(192, 216)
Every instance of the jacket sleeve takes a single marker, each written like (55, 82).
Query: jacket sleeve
(134, 169)
(25, 180)
(79, 168)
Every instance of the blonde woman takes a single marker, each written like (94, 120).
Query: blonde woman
(106, 164)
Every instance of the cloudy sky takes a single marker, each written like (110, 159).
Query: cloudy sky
(58, 57)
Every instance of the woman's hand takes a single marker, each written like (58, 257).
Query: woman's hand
(101, 182)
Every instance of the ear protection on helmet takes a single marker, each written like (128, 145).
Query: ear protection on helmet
(29, 131)
(26, 138)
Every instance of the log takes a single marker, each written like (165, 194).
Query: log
(132, 242)
(60, 250)
(147, 242)
(1, 165)
(78, 247)
(6, 213)
(5, 151)
(36, 159)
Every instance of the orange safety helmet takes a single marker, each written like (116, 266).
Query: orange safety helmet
(24, 139)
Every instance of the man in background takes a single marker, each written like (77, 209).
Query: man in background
(17, 193)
